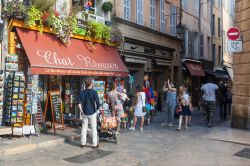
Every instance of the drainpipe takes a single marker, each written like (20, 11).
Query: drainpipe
(199, 23)
(211, 27)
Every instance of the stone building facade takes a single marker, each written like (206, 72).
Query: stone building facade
(149, 41)
(241, 66)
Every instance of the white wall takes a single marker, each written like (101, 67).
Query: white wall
(228, 18)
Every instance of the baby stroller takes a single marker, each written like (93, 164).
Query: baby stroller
(106, 126)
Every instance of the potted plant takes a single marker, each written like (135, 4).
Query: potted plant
(107, 7)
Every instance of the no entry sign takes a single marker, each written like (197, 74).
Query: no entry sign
(233, 33)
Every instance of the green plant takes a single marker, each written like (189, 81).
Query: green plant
(80, 31)
(107, 6)
(63, 26)
(97, 30)
(15, 9)
(34, 17)
(43, 5)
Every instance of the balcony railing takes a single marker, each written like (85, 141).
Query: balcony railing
(90, 17)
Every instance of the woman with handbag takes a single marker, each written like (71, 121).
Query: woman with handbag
(116, 105)
(139, 107)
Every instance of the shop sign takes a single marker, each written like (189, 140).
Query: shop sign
(135, 60)
(56, 71)
(234, 46)
(11, 66)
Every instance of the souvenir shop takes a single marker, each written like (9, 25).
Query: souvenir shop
(44, 77)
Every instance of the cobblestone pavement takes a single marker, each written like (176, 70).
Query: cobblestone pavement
(155, 146)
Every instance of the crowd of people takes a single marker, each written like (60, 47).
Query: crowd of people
(177, 99)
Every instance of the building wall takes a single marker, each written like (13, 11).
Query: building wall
(190, 20)
(228, 21)
(206, 30)
(217, 39)
(119, 12)
(241, 87)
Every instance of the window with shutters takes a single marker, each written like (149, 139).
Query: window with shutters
(126, 9)
(162, 17)
(201, 45)
(190, 44)
(185, 5)
(219, 27)
(173, 20)
(139, 12)
(214, 52)
(152, 14)
(213, 25)
(196, 7)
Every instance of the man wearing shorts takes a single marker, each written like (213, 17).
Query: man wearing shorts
(209, 98)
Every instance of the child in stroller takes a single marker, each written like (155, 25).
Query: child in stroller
(106, 125)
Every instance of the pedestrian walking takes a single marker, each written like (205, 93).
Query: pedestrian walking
(190, 109)
(88, 105)
(223, 100)
(229, 100)
(209, 100)
(139, 104)
(114, 98)
(165, 90)
(184, 104)
(170, 102)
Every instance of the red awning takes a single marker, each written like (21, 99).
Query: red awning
(195, 69)
(48, 55)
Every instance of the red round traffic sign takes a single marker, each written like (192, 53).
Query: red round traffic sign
(233, 33)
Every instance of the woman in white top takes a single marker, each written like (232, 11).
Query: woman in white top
(140, 103)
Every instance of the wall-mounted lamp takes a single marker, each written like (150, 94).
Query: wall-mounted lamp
(133, 47)
(179, 29)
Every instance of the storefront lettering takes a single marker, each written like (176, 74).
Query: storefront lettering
(194, 67)
(92, 63)
(52, 58)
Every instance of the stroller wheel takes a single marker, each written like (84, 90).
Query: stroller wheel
(115, 139)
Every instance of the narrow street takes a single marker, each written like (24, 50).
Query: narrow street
(156, 145)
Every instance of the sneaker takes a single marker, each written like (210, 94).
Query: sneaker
(163, 124)
(178, 129)
(117, 133)
(96, 147)
(189, 124)
(131, 128)
(170, 124)
(141, 129)
(82, 146)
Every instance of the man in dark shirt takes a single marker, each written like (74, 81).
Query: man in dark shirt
(223, 100)
(88, 105)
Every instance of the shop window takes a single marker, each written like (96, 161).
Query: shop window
(201, 45)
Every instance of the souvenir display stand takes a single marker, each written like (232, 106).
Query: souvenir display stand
(1, 98)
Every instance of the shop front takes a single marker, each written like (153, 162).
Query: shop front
(45, 77)
(193, 73)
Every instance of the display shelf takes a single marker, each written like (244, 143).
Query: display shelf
(1, 98)
(14, 98)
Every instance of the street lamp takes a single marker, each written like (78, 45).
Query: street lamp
(179, 29)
